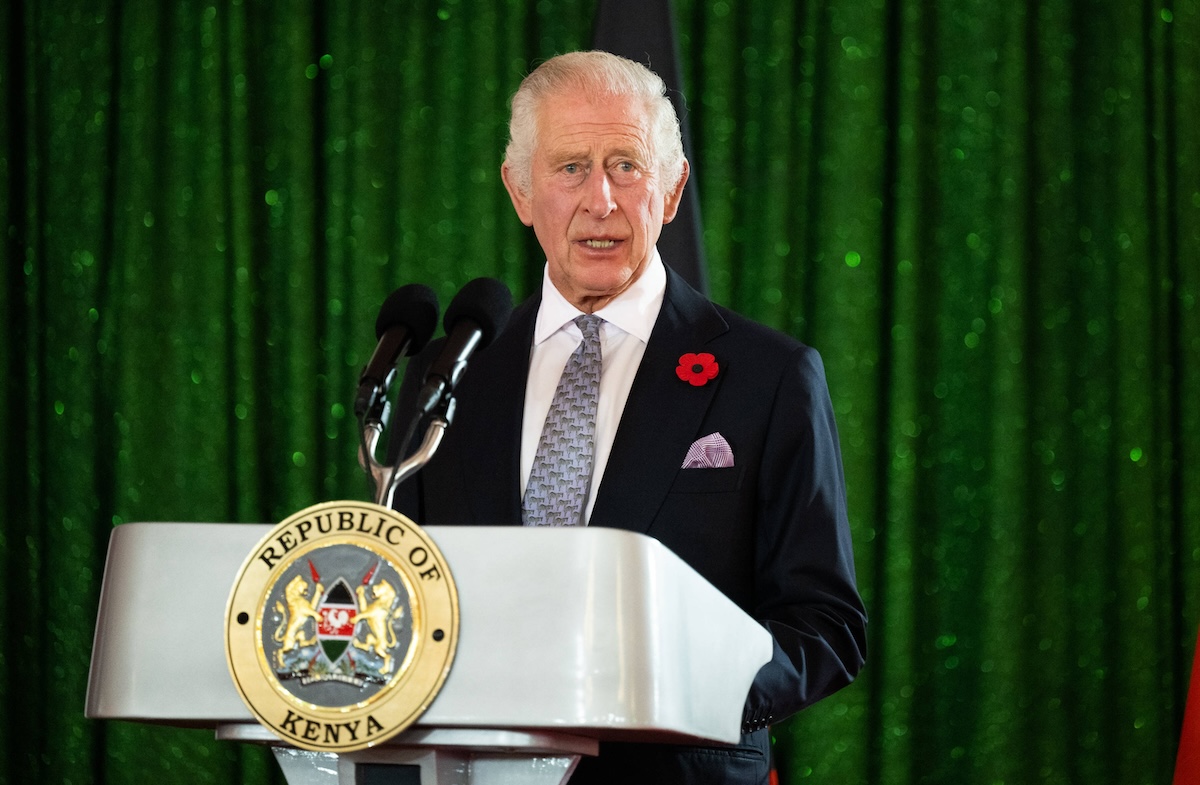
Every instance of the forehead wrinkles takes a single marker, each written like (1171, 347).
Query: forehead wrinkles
(622, 133)
(589, 138)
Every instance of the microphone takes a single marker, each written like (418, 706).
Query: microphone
(475, 316)
(405, 323)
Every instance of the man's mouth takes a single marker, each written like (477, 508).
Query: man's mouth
(599, 243)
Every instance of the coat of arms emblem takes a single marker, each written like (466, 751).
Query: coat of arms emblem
(335, 634)
(341, 626)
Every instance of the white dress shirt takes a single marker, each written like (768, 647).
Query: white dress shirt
(628, 321)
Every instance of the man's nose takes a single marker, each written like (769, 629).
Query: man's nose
(598, 198)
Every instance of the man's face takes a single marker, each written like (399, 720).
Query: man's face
(595, 201)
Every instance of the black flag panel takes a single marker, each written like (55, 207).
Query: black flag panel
(644, 31)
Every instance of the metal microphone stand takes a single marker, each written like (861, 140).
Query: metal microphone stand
(384, 479)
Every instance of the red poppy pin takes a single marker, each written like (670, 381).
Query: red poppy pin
(697, 369)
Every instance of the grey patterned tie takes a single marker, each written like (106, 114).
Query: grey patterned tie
(562, 467)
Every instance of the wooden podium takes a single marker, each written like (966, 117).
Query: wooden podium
(567, 637)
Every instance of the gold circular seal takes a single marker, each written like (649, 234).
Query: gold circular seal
(341, 626)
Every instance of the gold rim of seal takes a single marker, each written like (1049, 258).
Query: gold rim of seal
(415, 683)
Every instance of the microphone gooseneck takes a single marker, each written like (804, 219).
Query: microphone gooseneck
(475, 317)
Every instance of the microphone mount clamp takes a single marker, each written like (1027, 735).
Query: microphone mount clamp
(385, 479)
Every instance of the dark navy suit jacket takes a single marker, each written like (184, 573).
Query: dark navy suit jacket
(771, 532)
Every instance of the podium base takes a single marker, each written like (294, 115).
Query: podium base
(436, 756)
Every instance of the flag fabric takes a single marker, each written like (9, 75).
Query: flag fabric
(1187, 761)
(644, 31)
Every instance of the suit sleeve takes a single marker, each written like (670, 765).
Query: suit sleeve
(805, 589)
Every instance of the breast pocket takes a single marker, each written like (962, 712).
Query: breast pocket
(720, 480)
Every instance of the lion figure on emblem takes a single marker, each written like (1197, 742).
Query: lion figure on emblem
(294, 617)
(378, 615)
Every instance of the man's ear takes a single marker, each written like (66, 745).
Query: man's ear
(520, 200)
(672, 199)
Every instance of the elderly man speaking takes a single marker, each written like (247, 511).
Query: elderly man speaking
(619, 396)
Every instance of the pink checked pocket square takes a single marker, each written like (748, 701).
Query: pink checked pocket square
(709, 452)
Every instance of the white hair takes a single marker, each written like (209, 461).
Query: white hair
(594, 73)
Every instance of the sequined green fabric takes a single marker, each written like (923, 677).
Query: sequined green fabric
(986, 216)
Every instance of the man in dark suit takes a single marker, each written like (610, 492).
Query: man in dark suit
(713, 434)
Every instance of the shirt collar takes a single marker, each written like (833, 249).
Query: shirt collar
(634, 311)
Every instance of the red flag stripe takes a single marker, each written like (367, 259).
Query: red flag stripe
(1187, 762)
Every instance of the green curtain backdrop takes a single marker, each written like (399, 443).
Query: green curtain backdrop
(985, 215)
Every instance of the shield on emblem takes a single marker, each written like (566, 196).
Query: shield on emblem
(336, 627)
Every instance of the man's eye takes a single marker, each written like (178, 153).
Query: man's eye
(626, 173)
(571, 168)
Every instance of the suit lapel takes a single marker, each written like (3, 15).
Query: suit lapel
(490, 462)
(662, 413)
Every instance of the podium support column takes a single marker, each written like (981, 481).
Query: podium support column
(432, 756)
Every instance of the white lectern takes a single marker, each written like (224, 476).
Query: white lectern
(567, 637)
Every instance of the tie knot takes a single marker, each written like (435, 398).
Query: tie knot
(589, 324)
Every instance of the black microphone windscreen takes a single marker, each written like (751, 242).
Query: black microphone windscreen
(414, 306)
(485, 301)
